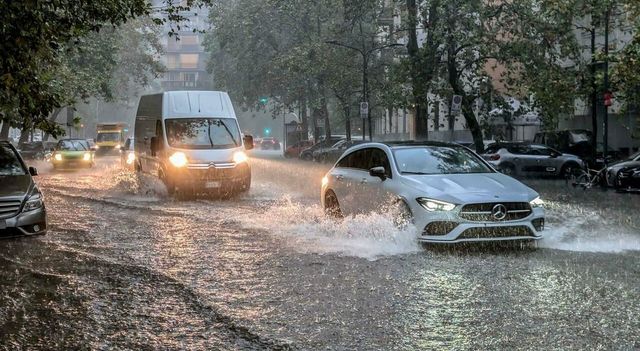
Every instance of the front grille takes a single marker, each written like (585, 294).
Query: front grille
(484, 212)
(495, 232)
(9, 208)
(439, 228)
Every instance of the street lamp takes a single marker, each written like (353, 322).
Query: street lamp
(365, 75)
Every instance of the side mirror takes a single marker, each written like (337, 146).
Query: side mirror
(33, 171)
(248, 142)
(378, 172)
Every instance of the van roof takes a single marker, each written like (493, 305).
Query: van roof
(187, 104)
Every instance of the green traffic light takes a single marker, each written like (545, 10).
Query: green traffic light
(264, 100)
(267, 131)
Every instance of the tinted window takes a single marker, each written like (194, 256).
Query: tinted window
(358, 159)
(9, 163)
(518, 149)
(379, 158)
(439, 160)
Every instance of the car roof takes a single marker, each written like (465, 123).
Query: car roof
(398, 144)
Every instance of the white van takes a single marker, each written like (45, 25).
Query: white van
(191, 140)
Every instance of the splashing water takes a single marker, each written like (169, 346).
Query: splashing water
(309, 230)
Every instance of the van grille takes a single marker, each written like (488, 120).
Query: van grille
(483, 212)
(9, 208)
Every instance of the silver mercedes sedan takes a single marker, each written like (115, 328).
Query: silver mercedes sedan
(447, 191)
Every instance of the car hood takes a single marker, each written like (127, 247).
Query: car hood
(624, 164)
(470, 188)
(15, 186)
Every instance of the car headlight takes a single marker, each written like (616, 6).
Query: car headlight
(87, 156)
(435, 205)
(33, 203)
(58, 157)
(240, 157)
(131, 157)
(178, 159)
(325, 180)
(537, 202)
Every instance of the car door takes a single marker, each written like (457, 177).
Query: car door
(374, 191)
(347, 177)
(545, 162)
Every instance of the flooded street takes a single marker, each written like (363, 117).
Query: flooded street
(126, 267)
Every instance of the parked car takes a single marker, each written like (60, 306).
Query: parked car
(307, 154)
(524, 159)
(128, 154)
(270, 144)
(332, 153)
(32, 150)
(295, 149)
(471, 144)
(625, 175)
(22, 209)
(73, 153)
(450, 193)
(577, 142)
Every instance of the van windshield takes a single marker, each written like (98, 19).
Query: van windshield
(202, 133)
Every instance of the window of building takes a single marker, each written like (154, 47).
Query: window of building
(172, 61)
(189, 40)
(189, 60)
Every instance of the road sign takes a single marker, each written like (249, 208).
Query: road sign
(456, 104)
(364, 109)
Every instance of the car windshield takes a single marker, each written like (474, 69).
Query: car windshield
(71, 145)
(203, 133)
(108, 136)
(438, 160)
(10, 165)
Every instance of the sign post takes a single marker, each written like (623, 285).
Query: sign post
(364, 113)
(456, 104)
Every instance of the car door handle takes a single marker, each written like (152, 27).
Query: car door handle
(363, 181)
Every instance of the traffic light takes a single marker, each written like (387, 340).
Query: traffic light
(267, 131)
(264, 100)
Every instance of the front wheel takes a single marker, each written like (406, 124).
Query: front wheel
(331, 205)
(402, 215)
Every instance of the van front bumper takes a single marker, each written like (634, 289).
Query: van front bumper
(211, 178)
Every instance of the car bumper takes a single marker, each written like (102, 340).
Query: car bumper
(212, 179)
(26, 223)
(528, 228)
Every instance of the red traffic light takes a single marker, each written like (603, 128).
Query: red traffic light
(608, 98)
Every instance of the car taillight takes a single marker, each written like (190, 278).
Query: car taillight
(495, 157)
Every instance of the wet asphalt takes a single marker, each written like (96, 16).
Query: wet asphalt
(126, 267)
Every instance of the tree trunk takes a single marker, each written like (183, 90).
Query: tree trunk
(467, 102)
(24, 134)
(4, 133)
(347, 124)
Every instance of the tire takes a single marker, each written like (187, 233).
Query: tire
(508, 169)
(171, 186)
(246, 185)
(331, 205)
(403, 215)
(570, 169)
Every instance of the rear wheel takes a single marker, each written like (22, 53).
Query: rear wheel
(331, 205)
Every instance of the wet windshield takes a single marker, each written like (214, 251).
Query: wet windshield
(72, 145)
(9, 163)
(203, 133)
(438, 160)
(111, 136)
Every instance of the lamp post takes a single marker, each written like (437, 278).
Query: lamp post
(365, 76)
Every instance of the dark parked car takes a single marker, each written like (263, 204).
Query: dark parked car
(307, 154)
(22, 210)
(333, 153)
(577, 142)
(270, 144)
(32, 151)
(625, 175)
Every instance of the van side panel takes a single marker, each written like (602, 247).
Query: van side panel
(149, 112)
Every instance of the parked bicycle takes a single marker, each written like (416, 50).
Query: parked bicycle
(589, 178)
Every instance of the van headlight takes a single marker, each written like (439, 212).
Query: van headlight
(57, 157)
(33, 203)
(435, 205)
(87, 156)
(178, 159)
(240, 157)
(537, 202)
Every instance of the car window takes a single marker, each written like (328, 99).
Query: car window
(379, 158)
(10, 164)
(492, 149)
(439, 160)
(71, 145)
(518, 149)
(358, 159)
(539, 151)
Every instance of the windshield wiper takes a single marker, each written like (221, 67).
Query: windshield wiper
(229, 131)
(209, 132)
(408, 172)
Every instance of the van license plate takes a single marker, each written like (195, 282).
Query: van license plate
(211, 185)
(3, 224)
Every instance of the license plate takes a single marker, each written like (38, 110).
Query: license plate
(211, 185)
(3, 224)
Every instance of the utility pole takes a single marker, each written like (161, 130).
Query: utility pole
(594, 93)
